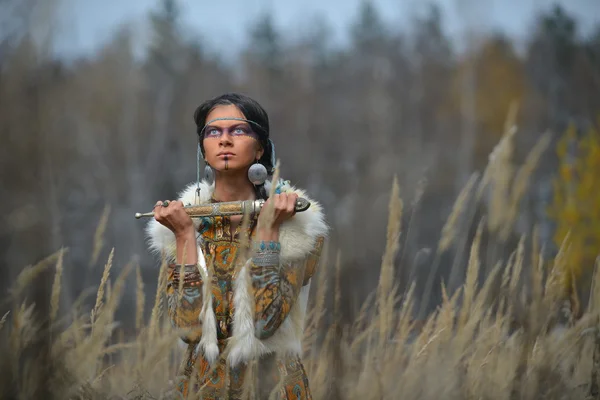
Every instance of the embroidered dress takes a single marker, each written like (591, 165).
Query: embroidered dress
(269, 356)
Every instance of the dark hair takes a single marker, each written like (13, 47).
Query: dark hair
(252, 111)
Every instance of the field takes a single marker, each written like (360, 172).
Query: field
(508, 333)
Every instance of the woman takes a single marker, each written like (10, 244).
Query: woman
(244, 310)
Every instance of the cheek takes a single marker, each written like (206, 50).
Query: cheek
(250, 151)
(210, 150)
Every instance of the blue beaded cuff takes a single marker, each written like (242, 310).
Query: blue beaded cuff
(265, 246)
(266, 253)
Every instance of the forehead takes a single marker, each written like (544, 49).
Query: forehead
(228, 111)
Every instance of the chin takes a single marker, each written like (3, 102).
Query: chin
(233, 166)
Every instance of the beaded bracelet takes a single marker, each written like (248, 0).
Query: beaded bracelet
(270, 245)
(190, 278)
(266, 259)
(267, 253)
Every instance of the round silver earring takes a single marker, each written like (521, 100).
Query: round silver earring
(257, 174)
(209, 174)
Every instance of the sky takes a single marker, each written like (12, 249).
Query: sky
(86, 24)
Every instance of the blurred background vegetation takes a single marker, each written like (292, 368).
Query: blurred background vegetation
(88, 141)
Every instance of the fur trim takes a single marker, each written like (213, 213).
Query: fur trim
(297, 237)
(299, 233)
(208, 340)
(287, 339)
(243, 343)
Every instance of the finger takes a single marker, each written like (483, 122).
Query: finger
(163, 210)
(291, 204)
(168, 208)
(175, 208)
(275, 201)
(156, 209)
(293, 199)
(281, 202)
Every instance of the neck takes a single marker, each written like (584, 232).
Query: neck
(233, 187)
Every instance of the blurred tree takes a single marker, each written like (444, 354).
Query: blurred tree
(31, 160)
(319, 42)
(584, 89)
(373, 115)
(264, 73)
(592, 46)
(165, 82)
(266, 44)
(432, 63)
(501, 81)
(15, 23)
(369, 32)
(576, 204)
(165, 48)
(550, 59)
(563, 75)
(430, 129)
(308, 74)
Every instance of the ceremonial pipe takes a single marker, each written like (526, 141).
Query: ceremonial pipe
(229, 208)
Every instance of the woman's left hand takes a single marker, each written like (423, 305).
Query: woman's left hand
(284, 208)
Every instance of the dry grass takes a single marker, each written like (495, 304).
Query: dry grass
(55, 300)
(99, 235)
(475, 345)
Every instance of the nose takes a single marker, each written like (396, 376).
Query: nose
(225, 138)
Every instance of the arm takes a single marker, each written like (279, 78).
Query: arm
(184, 302)
(276, 287)
(184, 309)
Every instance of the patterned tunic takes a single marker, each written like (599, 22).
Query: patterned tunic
(275, 289)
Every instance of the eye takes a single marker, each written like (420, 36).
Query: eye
(212, 132)
(240, 130)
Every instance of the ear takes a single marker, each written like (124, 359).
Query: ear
(259, 152)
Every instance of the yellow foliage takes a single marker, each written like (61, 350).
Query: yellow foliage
(489, 80)
(576, 202)
(500, 81)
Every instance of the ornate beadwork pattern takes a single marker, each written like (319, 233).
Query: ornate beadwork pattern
(183, 310)
(275, 292)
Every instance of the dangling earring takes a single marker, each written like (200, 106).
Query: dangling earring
(257, 174)
(273, 158)
(198, 156)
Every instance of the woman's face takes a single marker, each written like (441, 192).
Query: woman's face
(230, 145)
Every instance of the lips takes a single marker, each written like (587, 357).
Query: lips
(225, 154)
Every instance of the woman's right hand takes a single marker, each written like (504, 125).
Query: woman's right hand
(174, 217)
